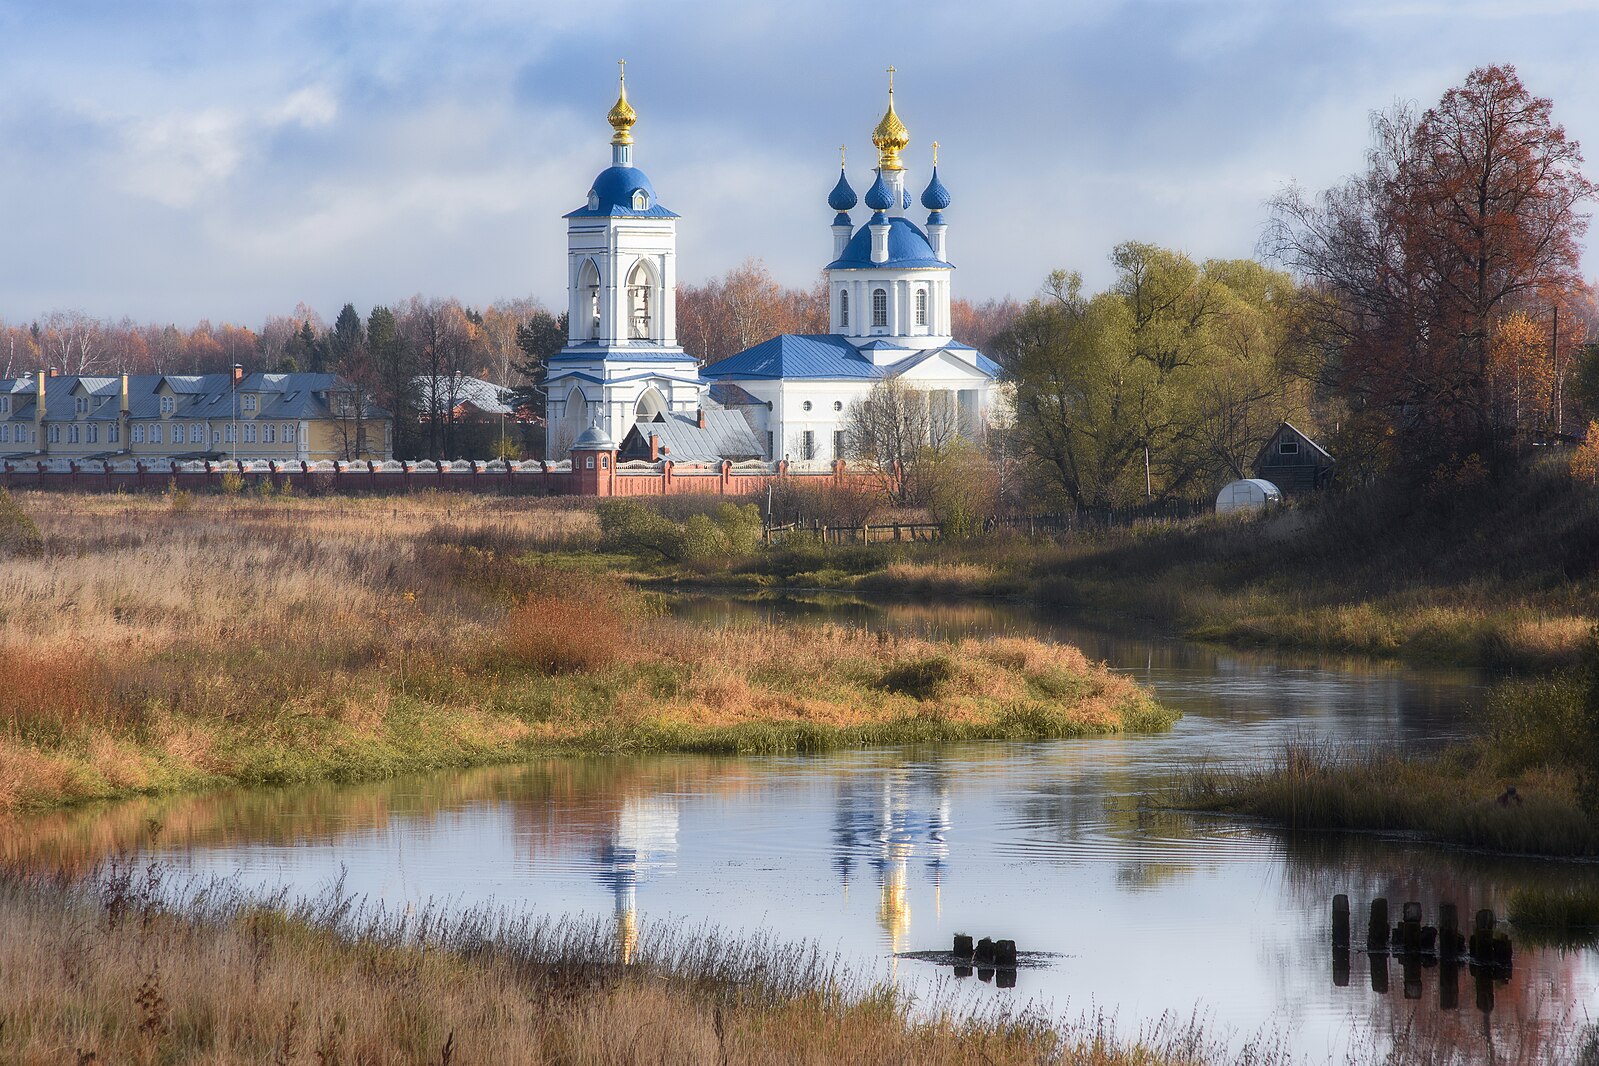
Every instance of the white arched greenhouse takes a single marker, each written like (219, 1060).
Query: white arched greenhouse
(1248, 494)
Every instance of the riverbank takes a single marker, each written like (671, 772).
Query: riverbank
(1494, 575)
(109, 972)
(1528, 784)
(154, 645)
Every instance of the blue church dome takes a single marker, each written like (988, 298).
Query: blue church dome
(616, 191)
(907, 247)
(935, 197)
(879, 197)
(842, 198)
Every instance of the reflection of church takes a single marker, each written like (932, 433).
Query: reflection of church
(623, 378)
(644, 839)
(891, 825)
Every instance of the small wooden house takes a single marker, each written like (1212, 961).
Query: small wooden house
(1293, 462)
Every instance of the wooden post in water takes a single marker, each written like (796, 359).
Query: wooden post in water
(963, 946)
(1450, 942)
(985, 951)
(1378, 961)
(1409, 931)
(1482, 937)
(1377, 927)
(1340, 920)
(1005, 953)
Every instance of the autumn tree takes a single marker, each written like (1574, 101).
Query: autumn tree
(742, 308)
(901, 434)
(1464, 215)
(977, 324)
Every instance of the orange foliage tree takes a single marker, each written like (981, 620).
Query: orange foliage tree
(742, 308)
(1464, 216)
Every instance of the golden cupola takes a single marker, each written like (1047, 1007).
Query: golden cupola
(622, 116)
(890, 137)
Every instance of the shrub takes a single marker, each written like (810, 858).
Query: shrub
(571, 623)
(922, 679)
(19, 533)
(701, 541)
(962, 489)
(232, 484)
(179, 500)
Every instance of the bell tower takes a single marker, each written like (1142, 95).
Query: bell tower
(622, 359)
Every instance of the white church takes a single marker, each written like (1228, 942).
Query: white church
(624, 382)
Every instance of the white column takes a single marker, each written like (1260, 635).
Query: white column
(668, 308)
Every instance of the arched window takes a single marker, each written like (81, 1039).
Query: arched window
(879, 307)
(921, 307)
(641, 200)
(843, 307)
(638, 302)
(588, 285)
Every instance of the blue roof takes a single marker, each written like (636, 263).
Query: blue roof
(842, 198)
(907, 247)
(612, 195)
(879, 197)
(935, 197)
(797, 356)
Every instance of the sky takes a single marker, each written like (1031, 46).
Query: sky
(173, 160)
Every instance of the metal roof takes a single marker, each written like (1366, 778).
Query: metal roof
(907, 247)
(825, 356)
(726, 435)
(612, 195)
(486, 396)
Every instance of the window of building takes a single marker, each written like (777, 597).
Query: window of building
(229, 433)
(113, 434)
(843, 307)
(197, 433)
(216, 436)
(55, 434)
(605, 462)
(168, 404)
(82, 405)
(5, 433)
(288, 433)
(588, 464)
(249, 402)
(838, 444)
(1288, 447)
(249, 433)
(5, 405)
(838, 405)
(138, 434)
(641, 200)
(807, 445)
(92, 432)
(921, 307)
(72, 434)
(155, 433)
(806, 406)
(768, 444)
(269, 434)
(879, 307)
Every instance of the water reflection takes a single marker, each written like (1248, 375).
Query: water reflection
(872, 853)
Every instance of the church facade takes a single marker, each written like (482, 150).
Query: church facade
(889, 283)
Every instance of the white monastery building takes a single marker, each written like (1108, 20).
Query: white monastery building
(624, 380)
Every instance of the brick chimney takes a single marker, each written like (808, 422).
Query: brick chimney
(655, 447)
(238, 373)
(124, 408)
(55, 372)
(38, 412)
(699, 417)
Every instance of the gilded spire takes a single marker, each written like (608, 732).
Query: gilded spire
(890, 136)
(622, 116)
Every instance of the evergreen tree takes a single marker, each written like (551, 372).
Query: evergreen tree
(345, 345)
(394, 366)
(539, 338)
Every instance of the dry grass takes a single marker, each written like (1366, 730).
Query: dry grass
(108, 972)
(239, 639)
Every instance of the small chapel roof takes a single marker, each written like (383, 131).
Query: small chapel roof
(611, 195)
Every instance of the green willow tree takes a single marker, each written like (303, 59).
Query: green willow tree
(1167, 384)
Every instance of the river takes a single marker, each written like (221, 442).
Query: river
(879, 853)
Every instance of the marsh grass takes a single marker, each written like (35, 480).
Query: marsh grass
(1565, 916)
(129, 967)
(280, 640)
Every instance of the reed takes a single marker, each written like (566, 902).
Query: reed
(272, 640)
(130, 968)
(1568, 915)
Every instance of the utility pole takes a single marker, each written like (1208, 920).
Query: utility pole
(1554, 357)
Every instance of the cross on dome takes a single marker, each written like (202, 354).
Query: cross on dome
(622, 116)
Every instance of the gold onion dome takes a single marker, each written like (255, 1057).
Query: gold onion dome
(622, 116)
(890, 137)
